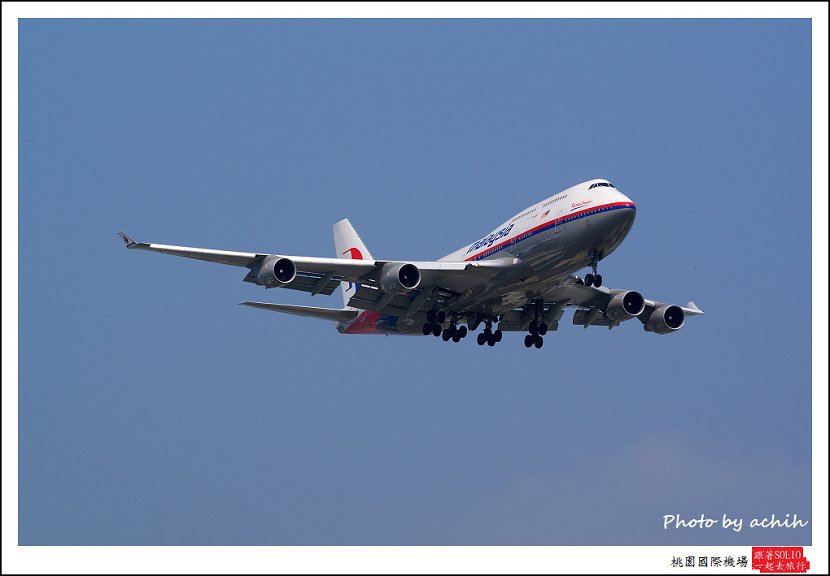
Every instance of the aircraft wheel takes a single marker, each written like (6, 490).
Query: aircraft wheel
(456, 338)
(542, 329)
(427, 329)
(529, 340)
(446, 335)
(533, 328)
(436, 329)
(481, 338)
(462, 331)
(431, 316)
(497, 335)
(598, 280)
(491, 340)
(589, 279)
(440, 316)
(538, 341)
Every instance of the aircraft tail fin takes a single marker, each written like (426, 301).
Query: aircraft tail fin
(349, 245)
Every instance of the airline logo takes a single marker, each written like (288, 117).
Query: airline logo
(354, 254)
(491, 238)
(578, 205)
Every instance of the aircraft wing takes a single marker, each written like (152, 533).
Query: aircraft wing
(243, 259)
(603, 307)
(324, 275)
(577, 294)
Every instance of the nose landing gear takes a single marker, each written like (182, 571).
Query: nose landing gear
(594, 279)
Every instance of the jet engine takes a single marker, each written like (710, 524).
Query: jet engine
(276, 271)
(625, 305)
(665, 319)
(399, 277)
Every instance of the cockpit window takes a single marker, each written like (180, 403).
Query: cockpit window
(596, 184)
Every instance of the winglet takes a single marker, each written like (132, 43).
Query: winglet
(128, 242)
(691, 308)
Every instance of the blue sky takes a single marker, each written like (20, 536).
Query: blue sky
(155, 411)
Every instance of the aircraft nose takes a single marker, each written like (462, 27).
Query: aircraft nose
(626, 214)
(623, 198)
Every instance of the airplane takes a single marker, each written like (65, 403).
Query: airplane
(518, 278)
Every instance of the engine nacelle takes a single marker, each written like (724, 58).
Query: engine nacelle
(276, 271)
(625, 305)
(665, 319)
(399, 277)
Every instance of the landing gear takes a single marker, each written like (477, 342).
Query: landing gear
(594, 279)
(433, 324)
(489, 336)
(438, 316)
(453, 332)
(537, 328)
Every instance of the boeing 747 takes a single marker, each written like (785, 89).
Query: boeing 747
(518, 278)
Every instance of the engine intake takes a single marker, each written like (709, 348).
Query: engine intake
(665, 319)
(277, 271)
(625, 305)
(399, 277)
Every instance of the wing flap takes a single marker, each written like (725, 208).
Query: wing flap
(592, 317)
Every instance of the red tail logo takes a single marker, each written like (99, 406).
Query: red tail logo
(354, 254)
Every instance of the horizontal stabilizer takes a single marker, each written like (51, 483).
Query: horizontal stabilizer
(337, 315)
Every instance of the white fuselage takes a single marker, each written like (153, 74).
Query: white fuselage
(541, 222)
(552, 239)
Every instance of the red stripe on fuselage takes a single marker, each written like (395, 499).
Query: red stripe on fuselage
(551, 223)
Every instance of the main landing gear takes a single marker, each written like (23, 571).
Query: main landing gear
(537, 330)
(435, 318)
(489, 336)
(537, 327)
(434, 321)
(593, 279)
(454, 333)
